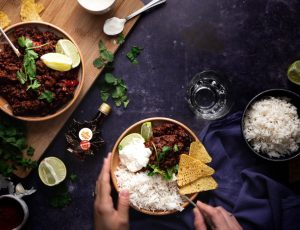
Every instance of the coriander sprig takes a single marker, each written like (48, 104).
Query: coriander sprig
(28, 73)
(105, 56)
(133, 53)
(116, 88)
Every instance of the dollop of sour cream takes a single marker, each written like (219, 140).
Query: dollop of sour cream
(135, 155)
(113, 26)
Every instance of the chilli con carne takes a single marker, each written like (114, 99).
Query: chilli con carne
(23, 100)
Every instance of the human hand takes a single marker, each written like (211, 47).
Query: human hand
(105, 216)
(217, 218)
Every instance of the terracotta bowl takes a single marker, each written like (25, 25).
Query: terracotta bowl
(43, 26)
(135, 128)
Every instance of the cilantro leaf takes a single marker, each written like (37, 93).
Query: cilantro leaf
(47, 95)
(25, 42)
(133, 53)
(73, 177)
(105, 56)
(98, 63)
(116, 88)
(61, 199)
(30, 151)
(120, 39)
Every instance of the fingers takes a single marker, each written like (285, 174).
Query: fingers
(214, 214)
(219, 216)
(199, 222)
(103, 187)
(123, 205)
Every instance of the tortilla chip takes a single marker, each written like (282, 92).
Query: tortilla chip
(198, 151)
(200, 185)
(30, 11)
(190, 169)
(4, 20)
(39, 7)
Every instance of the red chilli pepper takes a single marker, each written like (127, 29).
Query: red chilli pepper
(71, 83)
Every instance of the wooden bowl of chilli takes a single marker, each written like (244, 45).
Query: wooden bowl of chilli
(115, 160)
(65, 87)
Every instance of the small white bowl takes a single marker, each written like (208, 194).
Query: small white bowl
(97, 6)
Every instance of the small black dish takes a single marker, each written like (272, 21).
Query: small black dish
(295, 100)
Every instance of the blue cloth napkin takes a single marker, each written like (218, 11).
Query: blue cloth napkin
(245, 188)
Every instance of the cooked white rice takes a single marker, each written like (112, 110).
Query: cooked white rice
(272, 126)
(150, 193)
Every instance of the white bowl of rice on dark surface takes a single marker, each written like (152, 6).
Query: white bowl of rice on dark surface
(271, 124)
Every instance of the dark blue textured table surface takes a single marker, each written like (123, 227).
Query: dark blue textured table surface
(251, 41)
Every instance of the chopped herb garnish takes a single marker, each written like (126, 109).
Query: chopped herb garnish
(116, 88)
(12, 144)
(30, 151)
(175, 148)
(105, 56)
(73, 177)
(166, 149)
(133, 53)
(28, 72)
(47, 95)
(120, 39)
(61, 198)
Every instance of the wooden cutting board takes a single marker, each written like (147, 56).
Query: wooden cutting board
(86, 30)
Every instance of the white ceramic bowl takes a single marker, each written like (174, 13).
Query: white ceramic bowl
(97, 6)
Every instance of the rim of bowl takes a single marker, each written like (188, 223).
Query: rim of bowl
(81, 72)
(115, 151)
(254, 99)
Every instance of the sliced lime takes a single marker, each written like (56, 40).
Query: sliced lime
(52, 171)
(65, 46)
(56, 61)
(294, 72)
(131, 138)
(146, 130)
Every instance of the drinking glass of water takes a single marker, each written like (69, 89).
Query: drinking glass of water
(209, 95)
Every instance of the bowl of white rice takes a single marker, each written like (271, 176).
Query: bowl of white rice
(271, 124)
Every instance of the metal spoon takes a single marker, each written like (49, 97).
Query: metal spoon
(17, 52)
(114, 25)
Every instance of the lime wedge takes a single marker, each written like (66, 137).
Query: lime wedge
(56, 61)
(146, 130)
(52, 171)
(133, 137)
(294, 72)
(65, 46)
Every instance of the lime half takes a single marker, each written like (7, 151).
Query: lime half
(52, 171)
(65, 46)
(146, 130)
(131, 138)
(56, 61)
(294, 72)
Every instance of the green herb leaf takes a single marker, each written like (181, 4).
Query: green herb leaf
(161, 156)
(110, 79)
(30, 151)
(47, 95)
(61, 199)
(105, 56)
(73, 177)
(116, 88)
(175, 148)
(120, 39)
(25, 42)
(34, 85)
(133, 53)
(21, 77)
(98, 63)
(104, 96)
(166, 149)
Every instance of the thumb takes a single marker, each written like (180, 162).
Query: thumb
(123, 204)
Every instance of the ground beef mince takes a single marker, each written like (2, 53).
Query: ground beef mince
(169, 135)
(25, 102)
